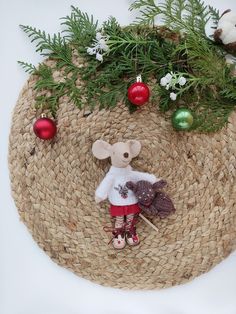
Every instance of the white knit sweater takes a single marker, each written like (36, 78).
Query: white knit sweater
(113, 185)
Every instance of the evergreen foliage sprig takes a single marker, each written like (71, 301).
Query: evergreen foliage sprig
(177, 15)
(80, 29)
(28, 67)
(178, 44)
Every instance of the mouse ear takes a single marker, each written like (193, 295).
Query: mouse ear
(101, 149)
(131, 185)
(159, 185)
(135, 147)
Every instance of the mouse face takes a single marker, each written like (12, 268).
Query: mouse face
(121, 153)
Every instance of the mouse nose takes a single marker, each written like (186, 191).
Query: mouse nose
(126, 155)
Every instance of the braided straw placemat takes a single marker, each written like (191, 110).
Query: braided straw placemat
(53, 184)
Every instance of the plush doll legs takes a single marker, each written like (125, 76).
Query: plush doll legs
(125, 230)
(131, 235)
(119, 233)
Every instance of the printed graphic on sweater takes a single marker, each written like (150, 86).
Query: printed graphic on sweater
(123, 190)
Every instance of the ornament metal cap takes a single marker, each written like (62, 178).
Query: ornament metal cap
(139, 78)
(43, 115)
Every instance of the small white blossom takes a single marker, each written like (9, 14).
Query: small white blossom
(99, 46)
(102, 45)
(105, 47)
(173, 96)
(173, 83)
(98, 36)
(91, 51)
(163, 81)
(182, 81)
(168, 77)
(99, 57)
(101, 42)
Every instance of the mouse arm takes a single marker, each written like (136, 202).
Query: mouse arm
(103, 189)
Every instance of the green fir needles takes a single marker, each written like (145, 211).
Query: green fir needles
(167, 37)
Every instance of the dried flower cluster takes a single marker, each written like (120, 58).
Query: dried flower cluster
(174, 82)
(99, 46)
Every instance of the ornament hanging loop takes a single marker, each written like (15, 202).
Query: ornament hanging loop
(43, 115)
(139, 78)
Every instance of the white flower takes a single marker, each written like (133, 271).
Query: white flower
(99, 46)
(102, 44)
(91, 51)
(168, 77)
(98, 36)
(173, 96)
(167, 86)
(105, 47)
(99, 57)
(182, 81)
(163, 81)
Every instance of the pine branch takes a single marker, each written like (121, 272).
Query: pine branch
(215, 16)
(111, 98)
(46, 85)
(80, 29)
(127, 43)
(213, 115)
(197, 15)
(124, 39)
(45, 80)
(44, 41)
(178, 15)
(54, 46)
(73, 92)
(148, 10)
(44, 102)
(111, 27)
(180, 46)
(205, 60)
(229, 93)
(28, 67)
(44, 71)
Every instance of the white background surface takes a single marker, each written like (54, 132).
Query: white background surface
(30, 283)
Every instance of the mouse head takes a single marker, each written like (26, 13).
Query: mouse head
(121, 153)
(145, 191)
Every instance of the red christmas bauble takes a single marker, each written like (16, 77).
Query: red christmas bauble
(138, 93)
(45, 128)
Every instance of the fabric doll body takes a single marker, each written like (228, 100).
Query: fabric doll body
(150, 199)
(123, 202)
(113, 187)
(161, 206)
(124, 207)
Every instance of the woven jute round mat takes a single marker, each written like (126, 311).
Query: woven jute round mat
(53, 184)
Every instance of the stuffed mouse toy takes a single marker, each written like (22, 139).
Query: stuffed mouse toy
(150, 199)
(123, 202)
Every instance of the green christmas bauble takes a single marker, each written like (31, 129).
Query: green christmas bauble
(182, 119)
